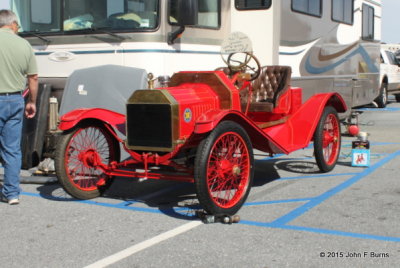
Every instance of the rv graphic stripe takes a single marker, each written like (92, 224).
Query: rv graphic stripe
(123, 51)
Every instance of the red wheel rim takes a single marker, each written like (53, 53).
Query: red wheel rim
(87, 147)
(331, 139)
(228, 170)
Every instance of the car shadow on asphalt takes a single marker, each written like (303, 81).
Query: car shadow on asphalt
(174, 199)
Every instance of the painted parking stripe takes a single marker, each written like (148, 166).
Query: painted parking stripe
(277, 202)
(321, 231)
(144, 245)
(316, 201)
(282, 222)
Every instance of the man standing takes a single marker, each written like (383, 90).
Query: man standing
(17, 63)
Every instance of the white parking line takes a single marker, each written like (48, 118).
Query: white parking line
(143, 245)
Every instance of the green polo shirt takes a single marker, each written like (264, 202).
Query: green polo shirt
(16, 61)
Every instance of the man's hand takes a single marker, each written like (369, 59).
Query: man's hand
(30, 110)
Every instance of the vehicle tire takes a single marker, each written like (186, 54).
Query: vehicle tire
(327, 140)
(381, 100)
(75, 152)
(397, 96)
(223, 169)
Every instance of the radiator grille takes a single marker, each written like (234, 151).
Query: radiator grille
(149, 125)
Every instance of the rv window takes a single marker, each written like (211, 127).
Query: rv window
(342, 11)
(252, 4)
(54, 16)
(110, 14)
(209, 15)
(38, 15)
(41, 11)
(368, 22)
(309, 7)
(391, 57)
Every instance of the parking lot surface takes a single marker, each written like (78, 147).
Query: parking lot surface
(294, 216)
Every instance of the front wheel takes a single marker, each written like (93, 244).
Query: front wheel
(224, 169)
(77, 154)
(327, 140)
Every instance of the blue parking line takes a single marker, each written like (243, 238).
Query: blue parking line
(318, 200)
(173, 211)
(283, 221)
(277, 201)
(387, 109)
(321, 231)
(317, 176)
(341, 233)
(280, 223)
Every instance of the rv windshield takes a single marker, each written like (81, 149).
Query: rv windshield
(52, 16)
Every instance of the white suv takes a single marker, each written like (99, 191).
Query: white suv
(389, 77)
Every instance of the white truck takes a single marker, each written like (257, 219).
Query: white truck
(389, 77)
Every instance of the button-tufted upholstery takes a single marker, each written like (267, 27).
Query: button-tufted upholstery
(268, 87)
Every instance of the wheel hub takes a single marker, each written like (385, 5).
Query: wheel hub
(90, 158)
(226, 167)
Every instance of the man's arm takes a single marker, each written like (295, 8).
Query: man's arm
(30, 109)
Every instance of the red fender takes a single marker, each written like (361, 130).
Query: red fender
(294, 134)
(260, 140)
(72, 118)
(299, 129)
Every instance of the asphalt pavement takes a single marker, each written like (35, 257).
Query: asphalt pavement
(294, 216)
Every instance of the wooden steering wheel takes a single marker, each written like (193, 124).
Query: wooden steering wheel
(244, 62)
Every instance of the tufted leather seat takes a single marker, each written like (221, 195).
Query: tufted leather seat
(268, 87)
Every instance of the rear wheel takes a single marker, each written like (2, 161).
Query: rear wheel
(327, 140)
(224, 169)
(381, 100)
(77, 153)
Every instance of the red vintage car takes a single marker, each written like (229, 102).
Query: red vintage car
(201, 128)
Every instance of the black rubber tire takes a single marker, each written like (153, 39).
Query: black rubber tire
(323, 164)
(235, 133)
(382, 99)
(61, 158)
(397, 96)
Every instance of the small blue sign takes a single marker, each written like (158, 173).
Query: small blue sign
(360, 157)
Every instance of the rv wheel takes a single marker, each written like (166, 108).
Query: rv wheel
(381, 100)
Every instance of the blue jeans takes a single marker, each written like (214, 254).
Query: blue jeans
(11, 116)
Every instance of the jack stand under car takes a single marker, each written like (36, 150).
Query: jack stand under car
(209, 218)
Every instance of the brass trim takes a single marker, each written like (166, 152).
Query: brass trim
(156, 97)
(273, 123)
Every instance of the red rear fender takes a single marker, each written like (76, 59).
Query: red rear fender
(72, 118)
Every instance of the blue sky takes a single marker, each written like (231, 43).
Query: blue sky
(390, 20)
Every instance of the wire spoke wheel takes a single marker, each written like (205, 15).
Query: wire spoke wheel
(223, 170)
(228, 170)
(327, 140)
(78, 156)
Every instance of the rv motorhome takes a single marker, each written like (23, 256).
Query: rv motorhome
(331, 45)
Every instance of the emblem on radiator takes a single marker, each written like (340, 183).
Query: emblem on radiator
(187, 115)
